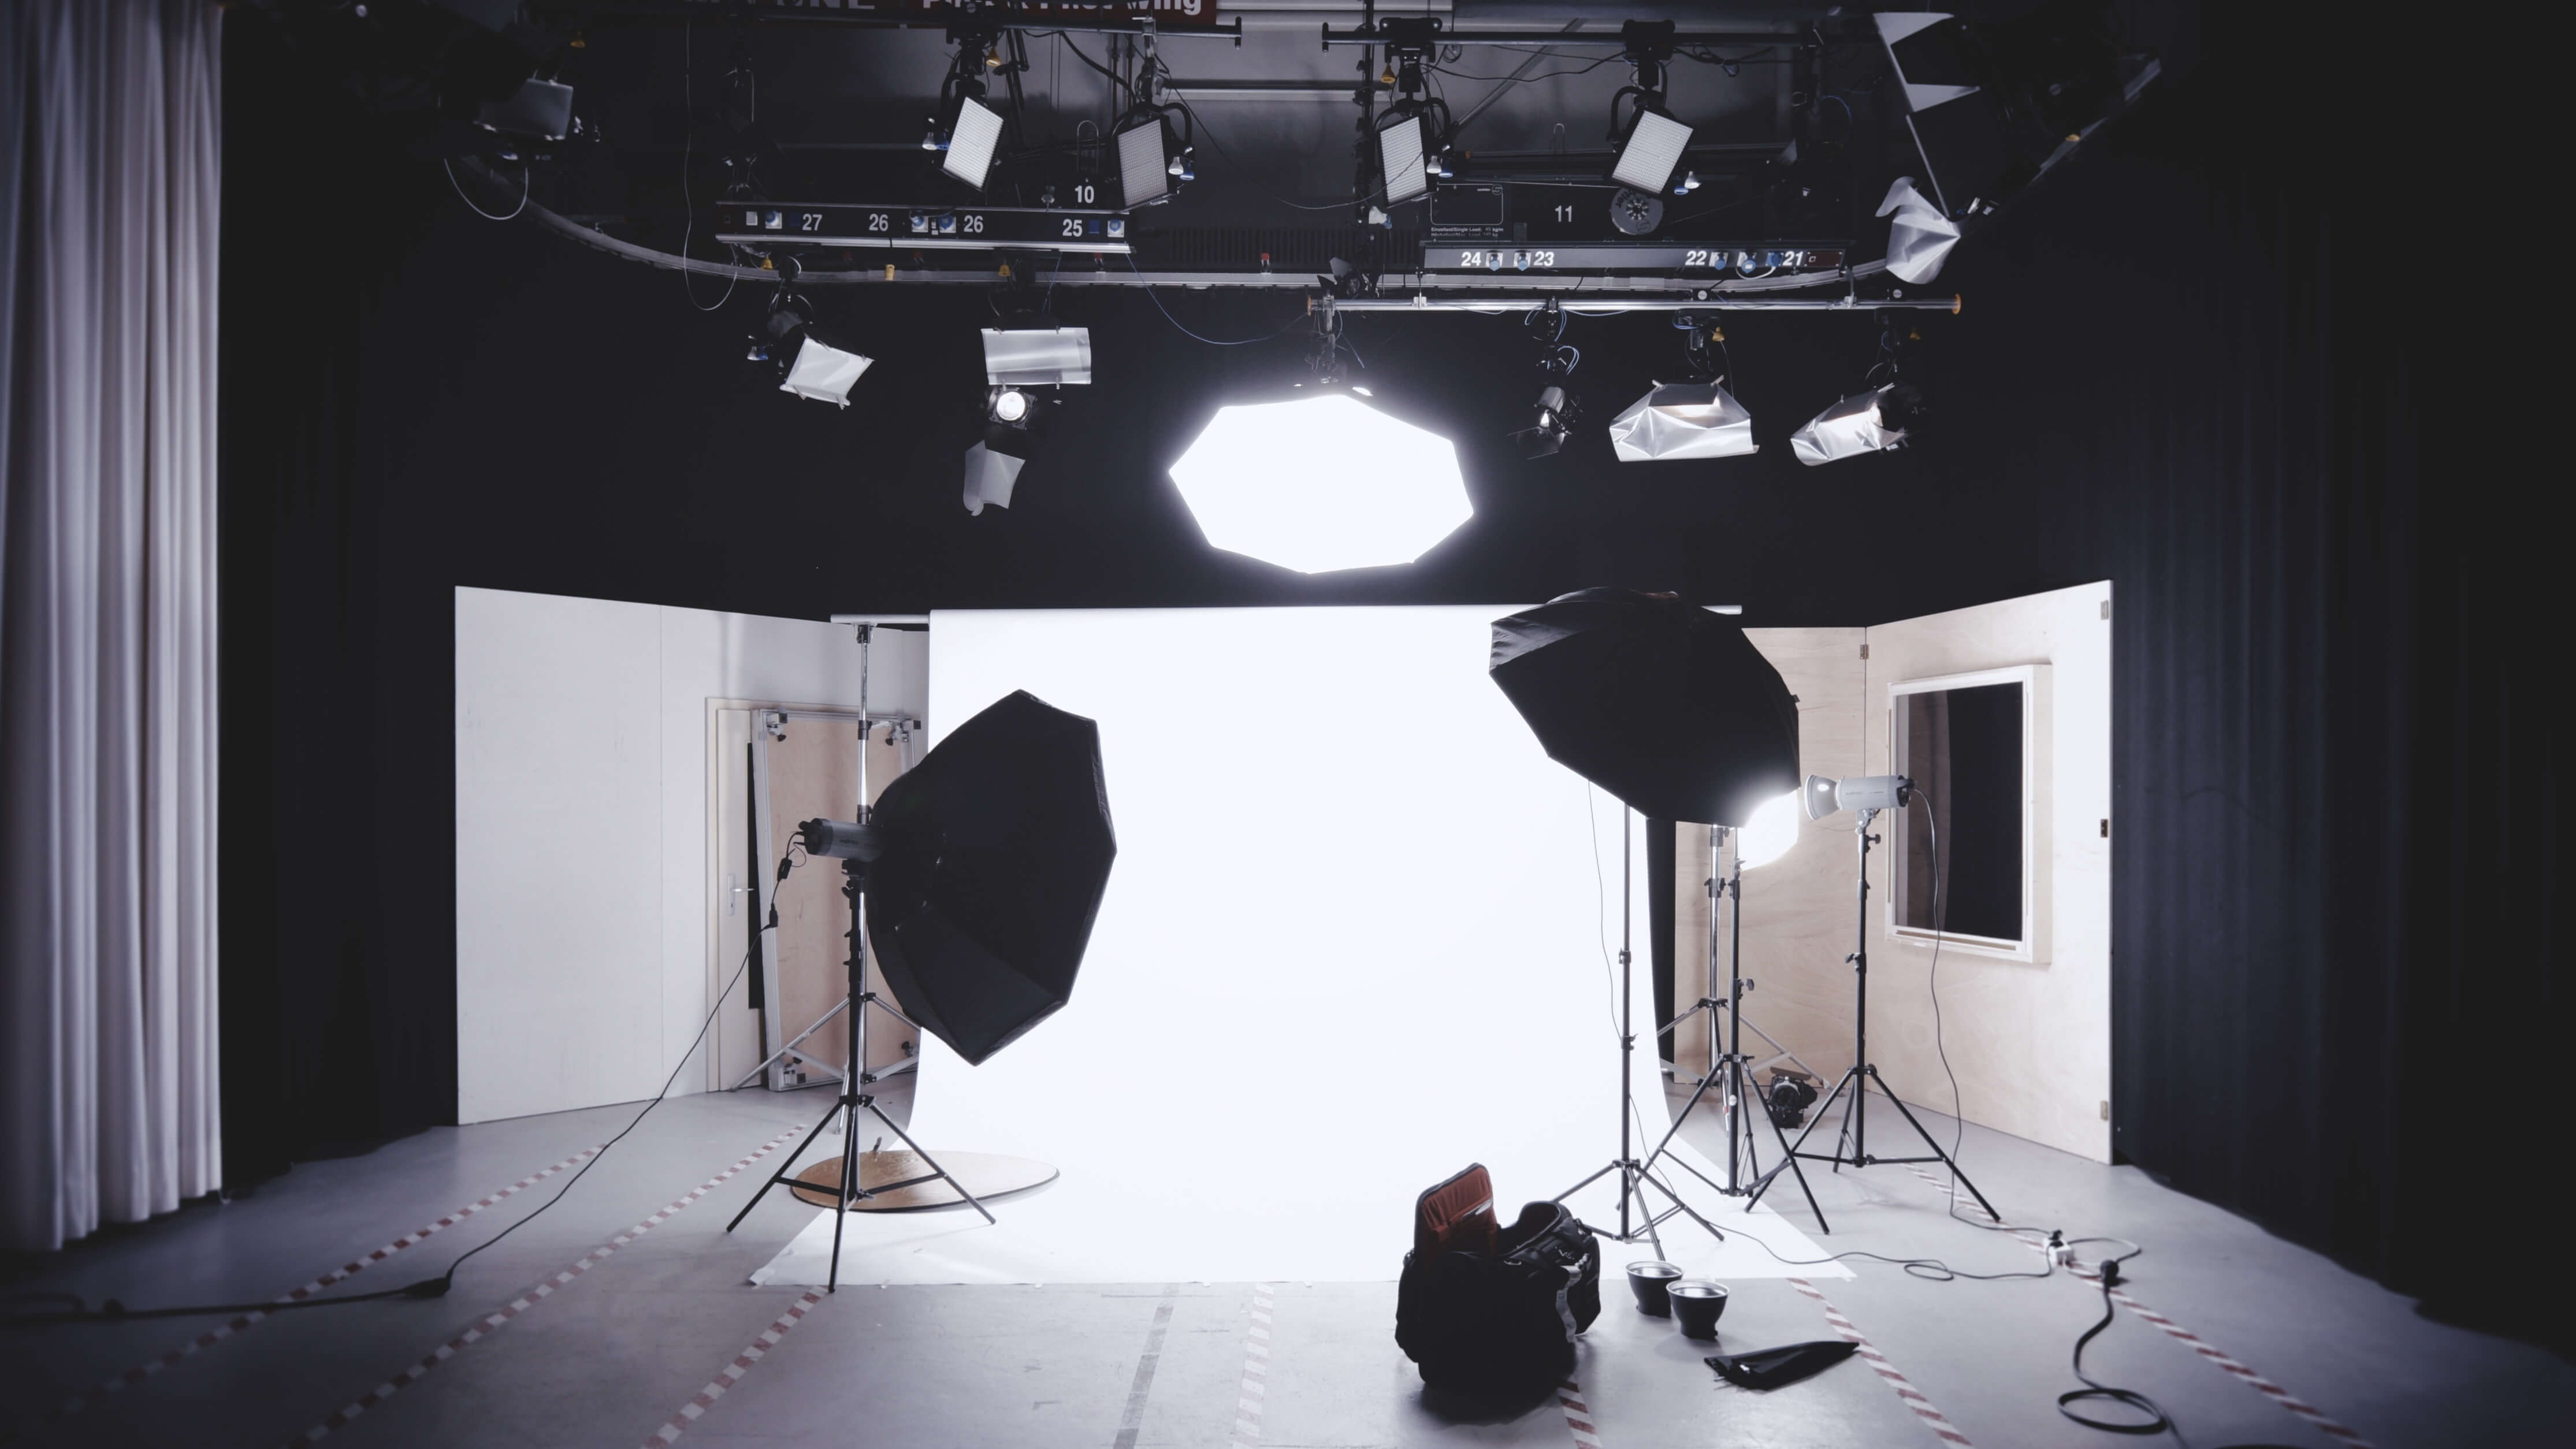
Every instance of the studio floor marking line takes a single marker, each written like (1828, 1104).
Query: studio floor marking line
(731, 1374)
(1255, 1392)
(500, 1318)
(1134, 1421)
(1578, 1417)
(2038, 1242)
(1912, 1397)
(245, 1322)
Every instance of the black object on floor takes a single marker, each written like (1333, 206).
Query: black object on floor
(1770, 1368)
(1489, 1311)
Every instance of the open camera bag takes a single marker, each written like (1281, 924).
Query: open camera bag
(1489, 1309)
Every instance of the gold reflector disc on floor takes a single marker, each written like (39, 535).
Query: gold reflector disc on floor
(986, 1175)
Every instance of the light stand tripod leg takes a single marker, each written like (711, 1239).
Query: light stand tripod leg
(849, 1193)
(935, 1168)
(1816, 1120)
(785, 1167)
(1789, 1160)
(1946, 1159)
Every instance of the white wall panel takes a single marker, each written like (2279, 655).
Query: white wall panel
(581, 828)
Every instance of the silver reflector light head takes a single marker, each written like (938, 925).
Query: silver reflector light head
(1399, 149)
(990, 476)
(1855, 792)
(1653, 149)
(1682, 420)
(1847, 429)
(1144, 173)
(1037, 356)
(822, 373)
(971, 142)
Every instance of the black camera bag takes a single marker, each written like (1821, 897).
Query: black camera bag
(1497, 1316)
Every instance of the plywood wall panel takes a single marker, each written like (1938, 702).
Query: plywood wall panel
(2030, 1041)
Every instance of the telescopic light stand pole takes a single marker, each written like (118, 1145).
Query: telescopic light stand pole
(1852, 1146)
(1733, 1067)
(1637, 1216)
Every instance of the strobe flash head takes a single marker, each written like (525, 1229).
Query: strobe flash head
(1856, 792)
(841, 839)
(1008, 405)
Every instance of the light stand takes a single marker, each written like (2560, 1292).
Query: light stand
(1852, 1146)
(855, 1076)
(854, 1099)
(1732, 1066)
(1634, 1176)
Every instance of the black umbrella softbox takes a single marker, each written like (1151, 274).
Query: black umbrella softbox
(1663, 704)
(997, 852)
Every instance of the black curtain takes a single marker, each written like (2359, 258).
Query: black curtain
(338, 868)
(2335, 800)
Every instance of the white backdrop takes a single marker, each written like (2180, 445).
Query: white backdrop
(1353, 941)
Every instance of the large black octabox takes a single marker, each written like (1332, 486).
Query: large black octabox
(1663, 704)
(997, 853)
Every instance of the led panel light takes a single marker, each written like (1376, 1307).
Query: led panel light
(1143, 167)
(1682, 420)
(971, 142)
(824, 374)
(1654, 148)
(1037, 356)
(1320, 484)
(1399, 149)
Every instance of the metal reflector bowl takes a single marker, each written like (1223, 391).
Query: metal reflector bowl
(1682, 420)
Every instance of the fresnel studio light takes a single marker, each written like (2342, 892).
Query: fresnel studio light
(1017, 362)
(786, 348)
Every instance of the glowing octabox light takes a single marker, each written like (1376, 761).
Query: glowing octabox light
(1321, 483)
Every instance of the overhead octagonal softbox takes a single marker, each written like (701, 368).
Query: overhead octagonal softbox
(1663, 704)
(997, 852)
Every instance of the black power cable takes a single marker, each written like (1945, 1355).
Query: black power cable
(112, 1310)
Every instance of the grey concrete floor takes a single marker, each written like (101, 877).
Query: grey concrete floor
(619, 1347)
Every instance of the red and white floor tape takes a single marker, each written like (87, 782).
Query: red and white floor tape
(2038, 1242)
(1255, 1390)
(245, 1322)
(1913, 1397)
(499, 1319)
(732, 1373)
(1578, 1416)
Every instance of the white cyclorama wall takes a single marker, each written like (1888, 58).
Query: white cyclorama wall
(582, 827)
(1360, 932)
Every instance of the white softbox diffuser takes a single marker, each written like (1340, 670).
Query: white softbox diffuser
(1682, 420)
(1321, 483)
(825, 374)
(1846, 430)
